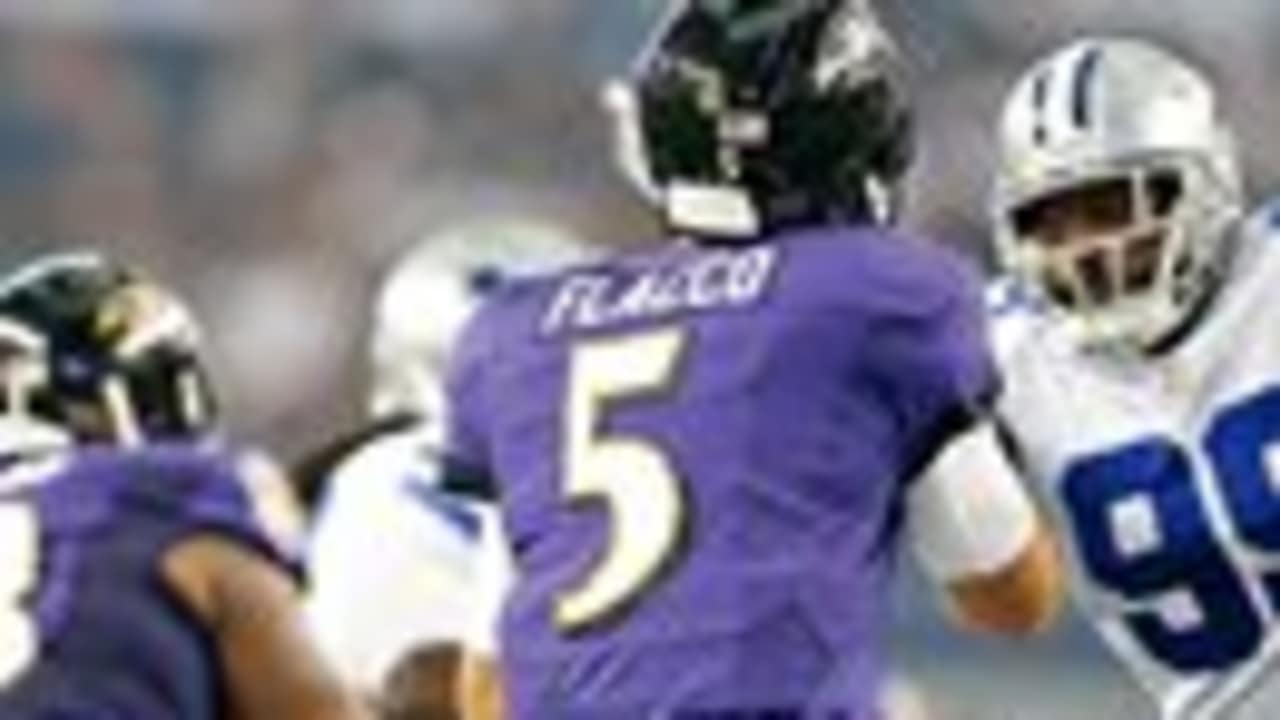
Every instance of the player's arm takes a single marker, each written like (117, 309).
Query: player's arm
(482, 693)
(456, 675)
(404, 629)
(462, 672)
(251, 608)
(424, 684)
(443, 681)
(979, 534)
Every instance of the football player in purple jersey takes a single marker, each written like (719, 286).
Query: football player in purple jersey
(709, 453)
(145, 570)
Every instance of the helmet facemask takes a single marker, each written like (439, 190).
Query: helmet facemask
(24, 376)
(165, 394)
(1116, 189)
(24, 369)
(1123, 255)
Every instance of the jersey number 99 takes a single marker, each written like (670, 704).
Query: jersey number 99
(1193, 604)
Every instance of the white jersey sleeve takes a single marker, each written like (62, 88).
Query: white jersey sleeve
(968, 514)
(396, 563)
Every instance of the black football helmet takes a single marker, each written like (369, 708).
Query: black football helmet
(102, 352)
(742, 116)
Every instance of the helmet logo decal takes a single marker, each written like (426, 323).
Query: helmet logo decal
(139, 315)
(1085, 72)
(128, 308)
(1040, 98)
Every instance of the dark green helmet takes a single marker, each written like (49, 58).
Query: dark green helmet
(790, 111)
(121, 356)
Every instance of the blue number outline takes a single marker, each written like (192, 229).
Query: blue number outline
(1190, 556)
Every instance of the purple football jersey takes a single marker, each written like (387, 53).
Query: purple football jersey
(113, 642)
(702, 454)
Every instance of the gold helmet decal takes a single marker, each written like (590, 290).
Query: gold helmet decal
(139, 314)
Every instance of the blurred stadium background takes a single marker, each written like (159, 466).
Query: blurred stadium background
(271, 157)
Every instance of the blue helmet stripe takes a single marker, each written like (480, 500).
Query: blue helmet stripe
(1085, 70)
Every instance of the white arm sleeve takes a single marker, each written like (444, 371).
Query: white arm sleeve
(969, 514)
(390, 573)
(495, 576)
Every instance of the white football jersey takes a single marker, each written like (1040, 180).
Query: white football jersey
(1164, 473)
(396, 563)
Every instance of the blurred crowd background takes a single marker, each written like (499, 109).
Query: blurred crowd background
(270, 158)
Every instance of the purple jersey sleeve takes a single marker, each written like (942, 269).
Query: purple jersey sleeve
(116, 641)
(466, 450)
(191, 492)
(936, 364)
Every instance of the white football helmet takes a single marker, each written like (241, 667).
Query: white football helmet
(432, 292)
(1125, 114)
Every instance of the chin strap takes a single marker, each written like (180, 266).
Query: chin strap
(1174, 336)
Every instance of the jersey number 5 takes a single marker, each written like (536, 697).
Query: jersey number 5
(19, 549)
(631, 476)
(1145, 531)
